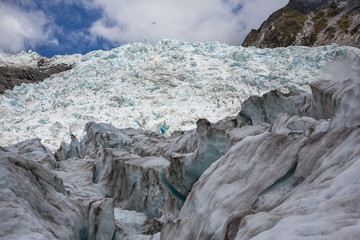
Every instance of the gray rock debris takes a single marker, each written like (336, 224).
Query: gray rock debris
(11, 76)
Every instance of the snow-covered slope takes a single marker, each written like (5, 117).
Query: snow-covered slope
(164, 88)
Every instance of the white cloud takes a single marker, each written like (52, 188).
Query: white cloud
(21, 29)
(189, 20)
(129, 21)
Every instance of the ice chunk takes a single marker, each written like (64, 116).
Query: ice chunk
(266, 108)
(101, 220)
(233, 183)
(336, 100)
(34, 150)
(135, 182)
(257, 191)
(131, 222)
(33, 199)
(185, 169)
(299, 126)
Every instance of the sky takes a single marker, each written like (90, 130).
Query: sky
(58, 27)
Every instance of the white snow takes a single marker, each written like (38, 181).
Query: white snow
(30, 59)
(164, 88)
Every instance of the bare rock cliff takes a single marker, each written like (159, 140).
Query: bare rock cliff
(309, 23)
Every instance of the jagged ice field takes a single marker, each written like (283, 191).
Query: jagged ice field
(283, 165)
(164, 88)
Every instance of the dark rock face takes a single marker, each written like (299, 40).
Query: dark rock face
(11, 76)
(306, 6)
(309, 23)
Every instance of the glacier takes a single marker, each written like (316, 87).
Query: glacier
(283, 164)
(152, 87)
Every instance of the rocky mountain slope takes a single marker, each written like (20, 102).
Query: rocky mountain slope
(309, 23)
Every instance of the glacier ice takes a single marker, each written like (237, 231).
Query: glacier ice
(33, 200)
(101, 220)
(337, 100)
(267, 107)
(152, 87)
(297, 179)
(284, 166)
(33, 149)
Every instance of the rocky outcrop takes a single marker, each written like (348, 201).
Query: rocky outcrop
(11, 76)
(309, 23)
